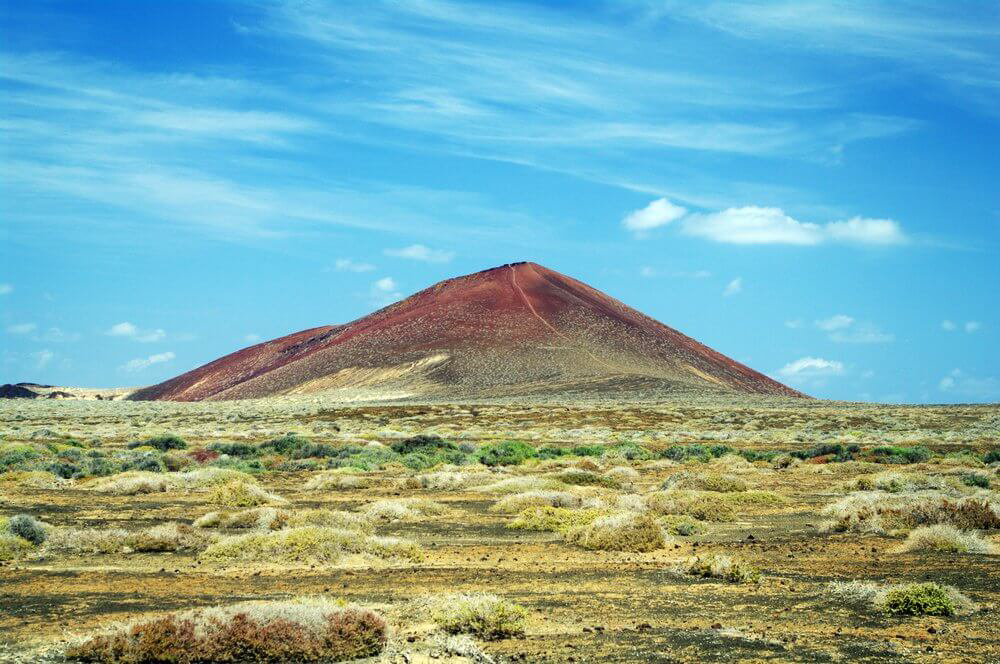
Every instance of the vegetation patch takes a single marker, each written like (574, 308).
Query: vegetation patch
(240, 493)
(624, 531)
(522, 501)
(876, 512)
(308, 544)
(945, 538)
(481, 614)
(554, 519)
(402, 509)
(313, 630)
(907, 599)
(578, 477)
(705, 482)
(682, 525)
(507, 453)
(722, 566)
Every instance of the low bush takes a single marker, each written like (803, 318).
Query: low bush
(521, 501)
(164, 537)
(257, 518)
(709, 505)
(240, 493)
(694, 452)
(577, 477)
(402, 509)
(286, 444)
(507, 453)
(896, 482)
(624, 531)
(876, 512)
(830, 451)
(901, 455)
(484, 615)
(449, 480)
(241, 450)
(28, 528)
(427, 444)
(162, 443)
(522, 484)
(991, 457)
(307, 544)
(331, 519)
(681, 524)
(628, 451)
(334, 481)
(307, 629)
(917, 599)
(978, 480)
(12, 546)
(721, 566)
(945, 538)
(554, 519)
(704, 482)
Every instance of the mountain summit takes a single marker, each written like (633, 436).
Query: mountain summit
(515, 330)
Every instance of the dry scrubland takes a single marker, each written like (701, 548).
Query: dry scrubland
(303, 530)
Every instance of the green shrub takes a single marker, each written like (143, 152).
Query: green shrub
(428, 444)
(162, 443)
(980, 480)
(918, 599)
(721, 566)
(836, 451)
(28, 528)
(681, 524)
(586, 478)
(239, 493)
(313, 630)
(901, 455)
(12, 546)
(307, 544)
(486, 616)
(554, 519)
(241, 450)
(629, 451)
(993, 456)
(286, 444)
(507, 453)
(625, 531)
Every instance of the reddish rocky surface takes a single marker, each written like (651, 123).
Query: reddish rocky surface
(516, 329)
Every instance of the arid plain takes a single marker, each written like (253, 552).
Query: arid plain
(700, 529)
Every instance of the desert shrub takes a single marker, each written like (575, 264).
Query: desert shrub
(132, 483)
(286, 444)
(308, 629)
(307, 544)
(89, 540)
(12, 546)
(896, 482)
(426, 444)
(402, 509)
(327, 481)
(991, 457)
(507, 453)
(834, 451)
(554, 519)
(241, 450)
(709, 505)
(918, 599)
(587, 464)
(979, 480)
(522, 484)
(484, 615)
(28, 528)
(448, 480)
(207, 477)
(162, 443)
(362, 458)
(239, 493)
(624, 531)
(694, 452)
(624, 474)
(681, 524)
(35, 479)
(520, 501)
(945, 538)
(704, 482)
(628, 451)
(13, 455)
(721, 566)
(901, 455)
(876, 512)
(331, 519)
(579, 477)
(166, 537)
(258, 518)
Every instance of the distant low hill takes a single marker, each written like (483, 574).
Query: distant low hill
(517, 329)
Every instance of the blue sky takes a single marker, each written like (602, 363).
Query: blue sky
(808, 187)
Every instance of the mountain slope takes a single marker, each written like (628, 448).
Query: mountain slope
(515, 329)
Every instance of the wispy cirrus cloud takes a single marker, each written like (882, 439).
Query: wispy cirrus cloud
(140, 363)
(769, 225)
(419, 252)
(845, 329)
(128, 330)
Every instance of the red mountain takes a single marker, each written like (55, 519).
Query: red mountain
(517, 329)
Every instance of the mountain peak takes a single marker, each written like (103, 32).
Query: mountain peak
(516, 328)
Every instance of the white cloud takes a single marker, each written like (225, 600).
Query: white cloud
(42, 358)
(130, 331)
(948, 326)
(647, 272)
(350, 265)
(658, 213)
(793, 324)
(22, 328)
(696, 274)
(6, 289)
(734, 287)
(251, 338)
(418, 252)
(771, 225)
(141, 363)
(978, 387)
(972, 326)
(384, 291)
(845, 329)
(57, 335)
(837, 322)
(809, 367)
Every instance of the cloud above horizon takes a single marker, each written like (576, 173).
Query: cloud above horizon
(141, 363)
(129, 331)
(658, 213)
(755, 225)
(418, 252)
(812, 367)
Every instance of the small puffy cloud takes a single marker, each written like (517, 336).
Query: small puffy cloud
(771, 225)
(811, 367)
(141, 363)
(866, 231)
(734, 287)
(384, 291)
(972, 326)
(6, 289)
(129, 331)
(22, 328)
(42, 358)
(350, 265)
(845, 329)
(948, 326)
(837, 322)
(658, 213)
(959, 383)
(418, 252)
